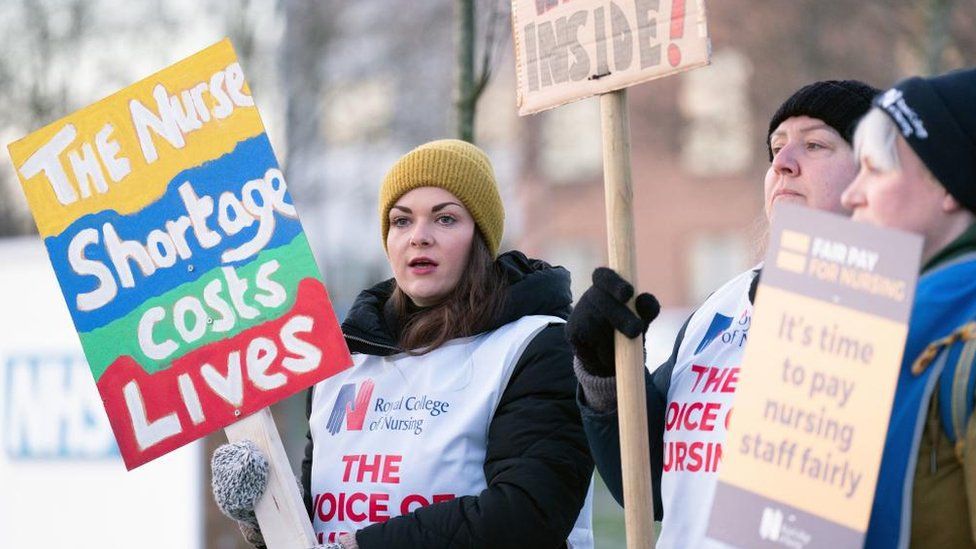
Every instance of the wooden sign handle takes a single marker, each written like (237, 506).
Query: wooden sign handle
(280, 511)
(631, 399)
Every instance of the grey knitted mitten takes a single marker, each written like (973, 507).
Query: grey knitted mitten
(240, 476)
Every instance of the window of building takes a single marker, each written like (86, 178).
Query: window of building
(718, 138)
(571, 148)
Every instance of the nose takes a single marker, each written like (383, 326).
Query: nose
(853, 196)
(784, 161)
(421, 236)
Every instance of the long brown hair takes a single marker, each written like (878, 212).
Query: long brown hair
(469, 309)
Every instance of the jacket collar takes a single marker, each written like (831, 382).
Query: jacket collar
(966, 242)
(534, 288)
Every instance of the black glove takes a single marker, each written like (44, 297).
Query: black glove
(599, 311)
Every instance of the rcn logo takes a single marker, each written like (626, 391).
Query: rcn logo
(351, 406)
(771, 524)
(719, 324)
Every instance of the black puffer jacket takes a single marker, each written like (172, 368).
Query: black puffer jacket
(537, 465)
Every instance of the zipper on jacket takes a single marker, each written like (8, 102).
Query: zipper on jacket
(373, 344)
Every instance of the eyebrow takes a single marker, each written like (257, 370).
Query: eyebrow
(435, 209)
(805, 129)
(443, 205)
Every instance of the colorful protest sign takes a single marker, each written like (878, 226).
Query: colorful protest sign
(180, 254)
(816, 385)
(566, 51)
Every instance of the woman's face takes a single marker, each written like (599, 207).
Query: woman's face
(812, 164)
(428, 243)
(906, 198)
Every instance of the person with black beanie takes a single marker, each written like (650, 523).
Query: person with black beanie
(689, 397)
(917, 152)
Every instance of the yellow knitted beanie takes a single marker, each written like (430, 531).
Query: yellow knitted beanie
(455, 166)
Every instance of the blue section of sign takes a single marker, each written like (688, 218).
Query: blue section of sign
(52, 410)
(250, 160)
(719, 324)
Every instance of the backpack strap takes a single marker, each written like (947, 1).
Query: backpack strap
(966, 332)
(964, 425)
(961, 407)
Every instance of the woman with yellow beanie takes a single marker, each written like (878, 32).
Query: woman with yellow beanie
(457, 425)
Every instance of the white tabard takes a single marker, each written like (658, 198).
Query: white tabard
(395, 433)
(700, 397)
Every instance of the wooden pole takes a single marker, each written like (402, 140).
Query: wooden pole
(631, 399)
(280, 511)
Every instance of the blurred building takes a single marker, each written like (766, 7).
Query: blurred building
(698, 139)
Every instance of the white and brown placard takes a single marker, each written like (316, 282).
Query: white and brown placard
(572, 49)
(816, 385)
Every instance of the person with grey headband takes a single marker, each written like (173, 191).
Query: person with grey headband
(690, 396)
(917, 153)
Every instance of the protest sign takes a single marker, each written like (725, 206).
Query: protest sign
(568, 50)
(816, 384)
(180, 254)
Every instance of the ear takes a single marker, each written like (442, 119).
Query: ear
(950, 204)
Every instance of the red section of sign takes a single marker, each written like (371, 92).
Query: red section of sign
(216, 385)
(677, 31)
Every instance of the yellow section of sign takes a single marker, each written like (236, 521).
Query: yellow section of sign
(794, 241)
(789, 261)
(121, 152)
(808, 419)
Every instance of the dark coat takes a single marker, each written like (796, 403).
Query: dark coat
(537, 466)
(603, 428)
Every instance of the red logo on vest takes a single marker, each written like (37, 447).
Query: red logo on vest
(351, 406)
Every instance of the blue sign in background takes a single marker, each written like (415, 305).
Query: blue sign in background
(50, 409)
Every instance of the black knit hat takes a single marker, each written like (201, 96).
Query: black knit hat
(937, 117)
(838, 103)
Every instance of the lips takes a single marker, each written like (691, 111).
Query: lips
(785, 193)
(422, 265)
(422, 262)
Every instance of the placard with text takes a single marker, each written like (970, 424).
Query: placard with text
(816, 384)
(180, 254)
(568, 50)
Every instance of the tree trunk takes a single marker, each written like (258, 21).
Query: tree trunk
(466, 95)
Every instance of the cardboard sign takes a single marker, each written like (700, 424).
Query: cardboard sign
(568, 50)
(816, 385)
(180, 254)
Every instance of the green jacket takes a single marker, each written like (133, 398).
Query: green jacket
(944, 494)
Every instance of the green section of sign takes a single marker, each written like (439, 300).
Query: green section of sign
(271, 281)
